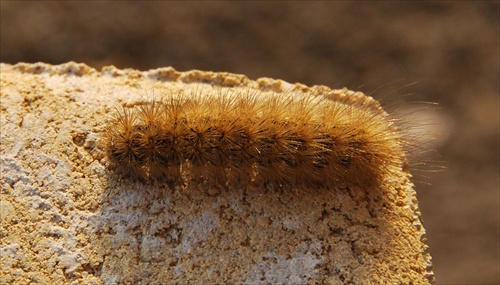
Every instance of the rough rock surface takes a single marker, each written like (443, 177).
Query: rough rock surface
(65, 219)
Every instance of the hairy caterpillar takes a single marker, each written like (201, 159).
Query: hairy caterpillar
(239, 137)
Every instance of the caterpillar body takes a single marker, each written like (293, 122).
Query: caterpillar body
(296, 139)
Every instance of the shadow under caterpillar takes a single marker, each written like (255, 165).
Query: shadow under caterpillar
(232, 137)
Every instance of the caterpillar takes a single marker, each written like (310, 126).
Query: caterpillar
(228, 137)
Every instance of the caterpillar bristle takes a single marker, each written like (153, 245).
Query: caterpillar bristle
(236, 138)
(123, 144)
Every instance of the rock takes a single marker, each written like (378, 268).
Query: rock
(68, 219)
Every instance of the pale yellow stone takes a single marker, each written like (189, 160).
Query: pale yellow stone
(67, 220)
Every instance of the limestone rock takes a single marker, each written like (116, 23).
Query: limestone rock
(66, 219)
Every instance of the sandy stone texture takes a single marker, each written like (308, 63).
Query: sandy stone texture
(67, 219)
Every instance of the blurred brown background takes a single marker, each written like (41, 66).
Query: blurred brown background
(444, 52)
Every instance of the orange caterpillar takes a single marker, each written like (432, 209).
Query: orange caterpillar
(235, 137)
